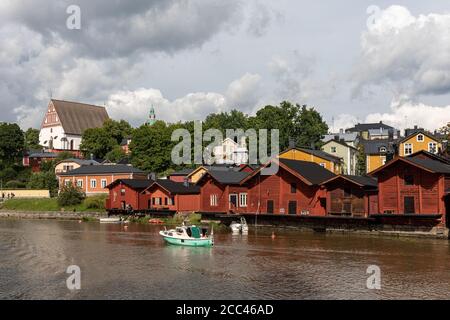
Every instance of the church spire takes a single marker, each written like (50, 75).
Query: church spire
(151, 117)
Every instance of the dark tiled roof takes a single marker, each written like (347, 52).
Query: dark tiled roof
(178, 187)
(366, 126)
(363, 180)
(373, 146)
(422, 153)
(430, 164)
(102, 169)
(81, 162)
(229, 177)
(311, 171)
(182, 172)
(43, 155)
(77, 117)
(133, 183)
(318, 153)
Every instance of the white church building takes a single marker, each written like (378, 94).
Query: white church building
(65, 122)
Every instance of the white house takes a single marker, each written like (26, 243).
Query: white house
(64, 123)
(231, 152)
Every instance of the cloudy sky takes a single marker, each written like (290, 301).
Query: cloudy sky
(365, 61)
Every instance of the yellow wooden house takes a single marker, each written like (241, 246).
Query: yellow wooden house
(418, 141)
(329, 162)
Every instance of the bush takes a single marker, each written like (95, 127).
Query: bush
(44, 180)
(70, 196)
(8, 174)
(96, 202)
(14, 184)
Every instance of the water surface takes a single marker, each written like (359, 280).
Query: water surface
(134, 263)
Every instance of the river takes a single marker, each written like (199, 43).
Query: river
(134, 263)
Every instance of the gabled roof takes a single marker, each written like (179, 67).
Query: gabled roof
(226, 177)
(317, 153)
(342, 143)
(416, 132)
(176, 187)
(182, 172)
(132, 183)
(366, 126)
(429, 165)
(76, 117)
(81, 162)
(347, 136)
(102, 169)
(311, 171)
(430, 155)
(373, 146)
(362, 181)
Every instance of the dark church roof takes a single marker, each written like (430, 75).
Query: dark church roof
(76, 117)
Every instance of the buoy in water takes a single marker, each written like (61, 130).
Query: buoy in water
(79, 221)
(273, 235)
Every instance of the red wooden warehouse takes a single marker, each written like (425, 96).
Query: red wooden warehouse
(295, 189)
(124, 192)
(348, 195)
(418, 185)
(172, 196)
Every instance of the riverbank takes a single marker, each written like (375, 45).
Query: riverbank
(51, 215)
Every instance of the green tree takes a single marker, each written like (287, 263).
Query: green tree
(115, 155)
(151, 147)
(12, 143)
(44, 180)
(70, 196)
(361, 161)
(118, 129)
(32, 139)
(233, 120)
(98, 142)
(310, 128)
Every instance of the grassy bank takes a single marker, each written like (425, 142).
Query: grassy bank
(94, 204)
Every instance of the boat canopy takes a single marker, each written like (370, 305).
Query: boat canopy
(195, 232)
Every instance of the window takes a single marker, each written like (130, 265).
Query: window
(103, 183)
(166, 201)
(93, 183)
(80, 183)
(383, 149)
(420, 137)
(383, 160)
(333, 149)
(153, 201)
(156, 201)
(171, 201)
(409, 179)
(122, 191)
(243, 199)
(323, 165)
(408, 148)
(67, 183)
(432, 147)
(213, 200)
(293, 187)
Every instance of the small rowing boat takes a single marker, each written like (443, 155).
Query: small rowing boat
(111, 220)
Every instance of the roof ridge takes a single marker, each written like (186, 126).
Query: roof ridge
(82, 103)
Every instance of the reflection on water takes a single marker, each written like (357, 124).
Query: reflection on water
(134, 263)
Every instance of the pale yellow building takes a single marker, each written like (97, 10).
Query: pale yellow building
(342, 150)
(328, 161)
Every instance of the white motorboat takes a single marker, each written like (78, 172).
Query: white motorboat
(238, 227)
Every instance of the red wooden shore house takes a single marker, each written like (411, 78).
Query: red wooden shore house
(221, 191)
(124, 192)
(172, 196)
(295, 189)
(416, 187)
(349, 195)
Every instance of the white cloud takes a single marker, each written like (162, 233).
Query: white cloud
(134, 105)
(406, 53)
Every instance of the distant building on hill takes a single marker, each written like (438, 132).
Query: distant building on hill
(151, 117)
(231, 152)
(64, 123)
(373, 131)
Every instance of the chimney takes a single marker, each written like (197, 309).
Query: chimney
(341, 131)
(152, 176)
(92, 156)
(186, 182)
(291, 142)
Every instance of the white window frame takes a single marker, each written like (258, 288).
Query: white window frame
(67, 182)
(104, 183)
(408, 146)
(333, 149)
(213, 200)
(93, 183)
(420, 140)
(435, 147)
(383, 149)
(80, 183)
(243, 199)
